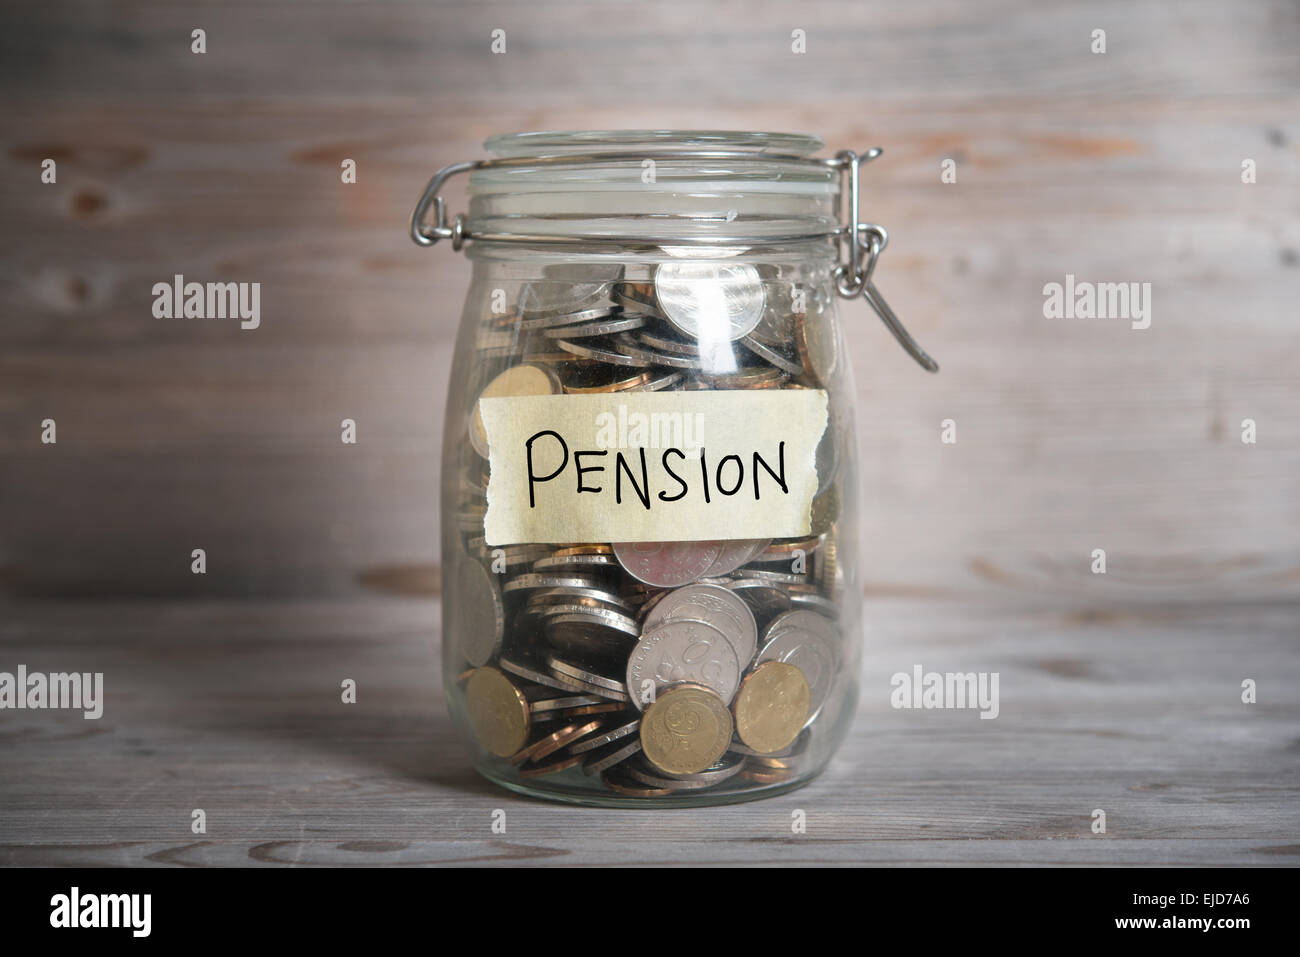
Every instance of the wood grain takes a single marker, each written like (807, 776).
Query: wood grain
(1071, 435)
(234, 707)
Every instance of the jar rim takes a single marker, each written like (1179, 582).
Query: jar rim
(563, 142)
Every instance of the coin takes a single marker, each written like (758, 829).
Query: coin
(478, 621)
(710, 777)
(530, 673)
(568, 670)
(686, 730)
(560, 563)
(608, 737)
(714, 605)
(556, 704)
(763, 597)
(592, 384)
(710, 300)
(815, 337)
(683, 650)
(605, 759)
(772, 355)
(576, 584)
(603, 352)
(808, 641)
(554, 320)
(568, 287)
(554, 766)
(553, 742)
(736, 552)
(518, 380)
(601, 327)
(498, 712)
(603, 687)
(771, 707)
(667, 564)
(619, 781)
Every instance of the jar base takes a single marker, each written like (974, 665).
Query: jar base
(580, 793)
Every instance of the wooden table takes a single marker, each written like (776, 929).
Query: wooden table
(235, 708)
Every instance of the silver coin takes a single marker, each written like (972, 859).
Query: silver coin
(710, 300)
(667, 564)
(763, 597)
(521, 670)
(714, 605)
(812, 601)
(684, 650)
(736, 552)
(771, 355)
(602, 354)
(574, 563)
(478, 622)
(617, 753)
(728, 767)
(780, 578)
(556, 704)
(564, 319)
(631, 348)
(567, 670)
(567, 287)
(588, 614)
(609, 737)
(810, 642)
(602, 327)
(559, 682)
(542, 599)
(537, 580)
(664, 344)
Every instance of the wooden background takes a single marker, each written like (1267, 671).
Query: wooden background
(1072, 435)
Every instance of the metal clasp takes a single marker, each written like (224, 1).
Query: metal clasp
(422, 232)
(863, 243)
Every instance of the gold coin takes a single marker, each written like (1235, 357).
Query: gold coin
(686, 730)
(497, 711)
(824, 511)
(517, 380)
(771, 706)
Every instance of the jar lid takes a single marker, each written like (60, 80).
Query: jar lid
(553, 143)
(709, 189)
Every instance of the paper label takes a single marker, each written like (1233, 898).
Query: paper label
(652, 466)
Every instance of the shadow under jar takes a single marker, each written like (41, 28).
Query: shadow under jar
(651, 591)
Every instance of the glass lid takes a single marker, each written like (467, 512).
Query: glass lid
(553, 143)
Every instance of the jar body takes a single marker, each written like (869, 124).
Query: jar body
(578, 669)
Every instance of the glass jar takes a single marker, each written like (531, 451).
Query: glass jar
(651, 591)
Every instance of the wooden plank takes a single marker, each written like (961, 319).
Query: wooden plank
(234, 708)
(667, 52)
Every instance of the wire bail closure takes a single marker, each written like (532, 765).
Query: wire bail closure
(860, 244)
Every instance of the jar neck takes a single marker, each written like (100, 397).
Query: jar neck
(655, 192)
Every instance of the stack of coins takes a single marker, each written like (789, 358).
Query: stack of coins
(652, 667)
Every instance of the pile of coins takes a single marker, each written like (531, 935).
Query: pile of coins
(652, 667)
